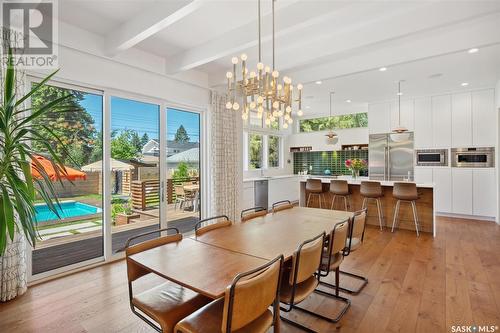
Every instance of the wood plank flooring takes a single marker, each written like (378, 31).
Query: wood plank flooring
(416, 285)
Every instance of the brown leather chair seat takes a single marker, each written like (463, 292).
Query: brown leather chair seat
(405, 191)
(339, 187)
(334, 262)
(209, 319)
(355, 243)
(370, 189)
(302, 289)
(168, 303)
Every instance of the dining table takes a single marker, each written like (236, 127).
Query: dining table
(208, 263)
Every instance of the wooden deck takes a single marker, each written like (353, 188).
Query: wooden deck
(66, 252)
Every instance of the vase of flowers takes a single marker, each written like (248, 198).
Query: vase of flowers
(355, 165)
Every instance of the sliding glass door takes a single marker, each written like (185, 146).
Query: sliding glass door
(183, 169)
(76, 236)
(135, 169)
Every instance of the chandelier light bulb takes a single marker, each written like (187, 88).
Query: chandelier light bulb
(234, 60)
(236, 106)
(268, 121)
(276, 74)
(229, 105)
(280, 113)
(285, 125)
(244, 116)
(252, 74)
(267, 69)
(260, 66)
(260, 109)
(287, 116)
(288, 109)
(253, 105)
(260, 99)
(290, 120)
(276, 104)
(300, 113)
(275, 113)
(300, 86)
(244, 57)
(280, 87)
(229, 75)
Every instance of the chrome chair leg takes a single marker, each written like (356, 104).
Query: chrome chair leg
(396, 213)
(415, 216)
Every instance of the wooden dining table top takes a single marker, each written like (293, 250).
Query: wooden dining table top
(276, 233)
(198, 266)
(191, 188)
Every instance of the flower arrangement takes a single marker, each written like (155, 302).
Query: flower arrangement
(355, 165)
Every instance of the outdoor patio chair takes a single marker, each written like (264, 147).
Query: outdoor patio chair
(180, 195)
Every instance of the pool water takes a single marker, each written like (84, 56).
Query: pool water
(66, 210)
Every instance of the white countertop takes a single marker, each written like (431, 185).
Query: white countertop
(358, 180)
(252, 179)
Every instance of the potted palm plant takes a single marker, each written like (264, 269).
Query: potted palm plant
(18, 188)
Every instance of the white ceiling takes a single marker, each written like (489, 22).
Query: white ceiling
(340, 42)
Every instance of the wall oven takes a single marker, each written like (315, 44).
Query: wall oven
(483, 157)
(431, 157)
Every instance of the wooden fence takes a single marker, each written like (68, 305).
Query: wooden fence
(146, 193)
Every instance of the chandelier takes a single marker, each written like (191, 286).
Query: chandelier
(263, 91)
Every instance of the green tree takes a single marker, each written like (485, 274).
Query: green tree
(144, 139)
(255, 151)
(181, 173)
(135, 140)
(181, 135)
(74, 127)
(122, 147)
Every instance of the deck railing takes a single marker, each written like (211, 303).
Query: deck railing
(146, 193)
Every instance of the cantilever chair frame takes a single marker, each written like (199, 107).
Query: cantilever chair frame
(292, 304)
(130, 292)
(254, 209)
(245, 274)
(200, 222)
(347, 252)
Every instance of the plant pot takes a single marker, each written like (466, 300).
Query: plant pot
(122, 219)
(13, 269)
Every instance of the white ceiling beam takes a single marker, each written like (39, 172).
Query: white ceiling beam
(148, 23)
(244, 37)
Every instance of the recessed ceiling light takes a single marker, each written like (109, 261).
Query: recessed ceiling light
(473, 50)
(435, 76)
(308, 107)
(465, 84)
(400, 94)
(319, 82)
(382, 69)
(348, 101)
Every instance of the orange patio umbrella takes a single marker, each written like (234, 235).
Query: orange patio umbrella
(71, 174)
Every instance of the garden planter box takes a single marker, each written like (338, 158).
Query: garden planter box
(122, 219)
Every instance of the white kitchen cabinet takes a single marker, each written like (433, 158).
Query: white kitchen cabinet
(423, 123)
(462, 191)
(379, 117)
(283, 189)
(407, 110)
(484, 118)
(248, 195)
(441, 121)
(484, 199)
(423, 175)
(442, 189)
(461, 120)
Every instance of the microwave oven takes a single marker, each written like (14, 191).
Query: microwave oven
(431, 157)
(481, 157)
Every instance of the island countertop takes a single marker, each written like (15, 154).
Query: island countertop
(358, 180)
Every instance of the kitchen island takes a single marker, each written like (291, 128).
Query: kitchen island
(425, 203)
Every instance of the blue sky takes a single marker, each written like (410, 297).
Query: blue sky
(142, 117)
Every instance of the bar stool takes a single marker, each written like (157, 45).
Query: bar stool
(405, 192)
(372, 190)
(314, 187)
(340, 188)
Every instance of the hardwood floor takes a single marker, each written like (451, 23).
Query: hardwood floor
(416, 285)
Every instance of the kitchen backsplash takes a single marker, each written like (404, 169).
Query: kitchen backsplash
(322, 161)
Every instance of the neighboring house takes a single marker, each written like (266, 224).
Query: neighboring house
(190, 156)
(152, 147)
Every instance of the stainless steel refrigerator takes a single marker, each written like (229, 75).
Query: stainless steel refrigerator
(390, 157)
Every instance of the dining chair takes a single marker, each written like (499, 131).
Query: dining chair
(167, 303)
(180, 196)
(332, 258)
(353, 243)
(281, 205)
(245, 305)
(251, 213)
(300, 278)
(208, 224)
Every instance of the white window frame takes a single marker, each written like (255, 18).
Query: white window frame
(265, 149)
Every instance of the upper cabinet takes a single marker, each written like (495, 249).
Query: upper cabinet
(484, 119)
(423, 123)
(379, 117)
(441, 121)
(461, 120)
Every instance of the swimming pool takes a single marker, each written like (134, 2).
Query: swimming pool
(67, 209)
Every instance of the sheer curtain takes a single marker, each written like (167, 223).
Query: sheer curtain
(225, 158)
(13, 269)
